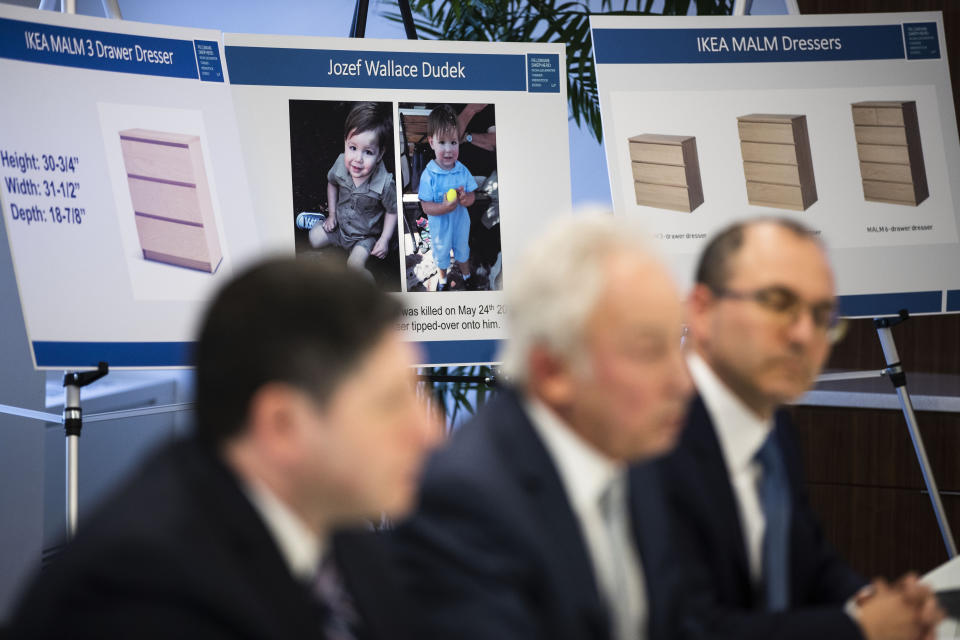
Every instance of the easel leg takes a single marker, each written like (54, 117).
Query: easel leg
(899, 379)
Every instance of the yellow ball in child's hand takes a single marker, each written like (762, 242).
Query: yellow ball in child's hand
(451, 195)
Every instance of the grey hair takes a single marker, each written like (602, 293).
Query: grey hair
(557, 285)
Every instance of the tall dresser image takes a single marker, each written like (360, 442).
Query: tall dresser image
(777, 163)
(171, 198)
(666, 171)
(891, 158)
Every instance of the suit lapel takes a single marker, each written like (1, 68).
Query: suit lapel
(366, 574)
(557, 527)
(246, 538)
(720, 501)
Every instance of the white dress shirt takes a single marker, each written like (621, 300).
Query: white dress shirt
(741, 434)
(300, 547)
(586, 474)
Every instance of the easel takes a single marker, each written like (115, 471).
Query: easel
(894, 369)
(72, 424)
(359, 26)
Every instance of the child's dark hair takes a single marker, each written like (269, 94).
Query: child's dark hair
(370, 116)
(442, 119)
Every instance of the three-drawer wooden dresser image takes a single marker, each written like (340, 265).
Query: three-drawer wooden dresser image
(171, 198)
(891, 158)
(666, 171)
(777, 163)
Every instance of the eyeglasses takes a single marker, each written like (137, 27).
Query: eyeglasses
(787, 306)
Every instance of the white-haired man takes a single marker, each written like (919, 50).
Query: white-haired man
(533, 522)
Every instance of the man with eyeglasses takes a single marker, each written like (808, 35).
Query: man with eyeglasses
(762, 316)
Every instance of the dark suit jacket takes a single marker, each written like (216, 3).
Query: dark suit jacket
(180, 552)
(495, 551)
(707, 516)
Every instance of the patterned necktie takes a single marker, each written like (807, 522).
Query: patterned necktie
(613, 507)
(341, 620)
(774, 492)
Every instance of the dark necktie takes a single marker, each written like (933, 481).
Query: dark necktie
(341, 620)
(774, 492)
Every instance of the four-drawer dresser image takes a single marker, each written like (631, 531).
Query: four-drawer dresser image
(777, 163)
(891, 158)
(666, 172)
(171, 198)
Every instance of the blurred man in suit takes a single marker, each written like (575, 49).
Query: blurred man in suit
(307, 426)
(532, 522)
(762, 317)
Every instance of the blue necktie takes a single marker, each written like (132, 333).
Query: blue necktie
(774, 491)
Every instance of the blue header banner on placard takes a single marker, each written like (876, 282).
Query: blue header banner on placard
(269, 66)
(100, 50)
(180, 354)
(798, 44)
(953, 300)
(118, 354)
(890, 304)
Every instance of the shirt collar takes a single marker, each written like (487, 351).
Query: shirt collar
(740, 432)
(300, 547)
(585, 472)
(437, 169)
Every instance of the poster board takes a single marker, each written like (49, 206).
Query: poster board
(845, 123)
(292, 97)
(136, 174)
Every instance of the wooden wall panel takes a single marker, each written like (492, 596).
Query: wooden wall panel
(894, 530)
(866, 486)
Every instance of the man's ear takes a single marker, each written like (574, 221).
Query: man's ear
(700, 303)
(275, 420)
(551, 377)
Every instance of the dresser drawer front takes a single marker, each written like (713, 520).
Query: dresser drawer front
(886, 172)
(656, 153)
(881, 135)
(774, 195)
(766, 132)
(660, 174)
(166, 161)
(662, 196)
(773, 173)
(768, 153)
(882, 116)
(163, 238)
(889, 192)
(883, 153)
(165, 200)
